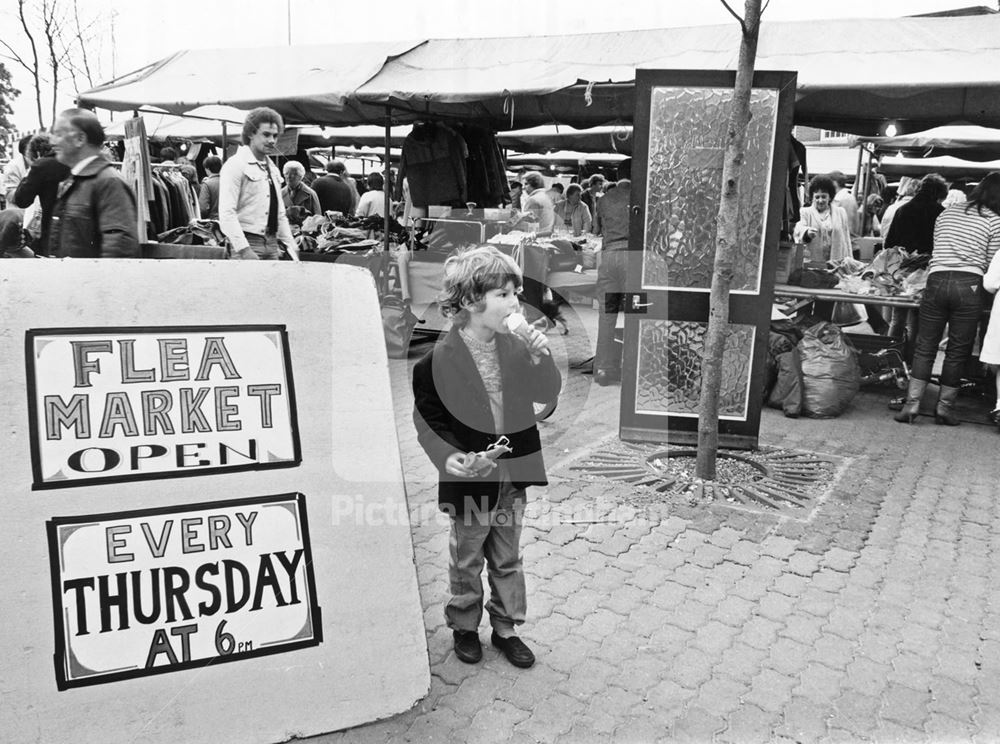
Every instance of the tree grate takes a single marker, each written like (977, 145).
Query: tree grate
(769, 480)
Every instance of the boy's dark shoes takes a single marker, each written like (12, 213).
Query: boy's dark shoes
(514, 649)
(467, 646)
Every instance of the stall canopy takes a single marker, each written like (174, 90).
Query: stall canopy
(944, 165)
(204, 122)
(852, 75)
(553, 137)
(968, 142)
(312, 84)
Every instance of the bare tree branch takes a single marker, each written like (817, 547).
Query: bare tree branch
(64, 43)
(735, 15)
(82, 41)
(34, 67)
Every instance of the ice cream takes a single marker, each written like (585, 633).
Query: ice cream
(519, 326)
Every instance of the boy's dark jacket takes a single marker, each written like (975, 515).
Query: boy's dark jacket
(452, 414)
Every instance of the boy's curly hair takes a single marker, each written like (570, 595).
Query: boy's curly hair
(470, 275)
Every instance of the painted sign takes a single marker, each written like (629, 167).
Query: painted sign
(113, 404)
(160, 590)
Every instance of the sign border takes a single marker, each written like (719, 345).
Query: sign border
(37, 481)
(59, 655)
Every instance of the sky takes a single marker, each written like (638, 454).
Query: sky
(144, 31)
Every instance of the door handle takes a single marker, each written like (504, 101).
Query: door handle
(638, 304)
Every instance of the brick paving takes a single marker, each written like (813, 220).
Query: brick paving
(874, 621)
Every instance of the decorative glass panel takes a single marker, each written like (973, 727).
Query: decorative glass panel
(669, 368)
(687, 139)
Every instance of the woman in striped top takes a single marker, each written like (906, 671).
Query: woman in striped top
(966, 236)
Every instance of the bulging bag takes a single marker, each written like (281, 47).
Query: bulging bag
(831, 374)
(398, 322)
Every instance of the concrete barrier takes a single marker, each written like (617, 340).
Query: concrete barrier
(187, 449)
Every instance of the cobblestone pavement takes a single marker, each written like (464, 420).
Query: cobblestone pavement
(872, 621)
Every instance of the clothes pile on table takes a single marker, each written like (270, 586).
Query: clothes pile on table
(195, 232)
(893, 272)
(336, 234)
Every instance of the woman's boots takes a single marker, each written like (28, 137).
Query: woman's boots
(944, 414)
(911, 408)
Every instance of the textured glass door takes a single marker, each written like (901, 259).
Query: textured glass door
(681, 126)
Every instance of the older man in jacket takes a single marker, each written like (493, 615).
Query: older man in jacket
(95, 213)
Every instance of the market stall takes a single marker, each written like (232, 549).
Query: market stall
(923, 72)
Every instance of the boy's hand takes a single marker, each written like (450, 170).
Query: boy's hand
(538, 344)
(467, 465)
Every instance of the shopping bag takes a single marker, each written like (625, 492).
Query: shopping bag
(398, 322)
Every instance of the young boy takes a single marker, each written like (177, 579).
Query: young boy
(477, 384)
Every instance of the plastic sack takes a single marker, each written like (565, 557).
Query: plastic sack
(831, 374)
(787, 391)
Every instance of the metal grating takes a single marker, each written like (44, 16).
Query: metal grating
(773, 481)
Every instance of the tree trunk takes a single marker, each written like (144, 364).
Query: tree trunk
(725, 246)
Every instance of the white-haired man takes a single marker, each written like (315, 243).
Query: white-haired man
(300, 200)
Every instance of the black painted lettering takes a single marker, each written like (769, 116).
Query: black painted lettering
(77, 586)
(144, 452)
(250, 455)
(154, 593)
(183, 455)
(160, 645)
(106, 599)
(109, 460)
(175, 584)
(184, 631)
(206, 609)
(232, 568)
(266, 578)
(291, 566)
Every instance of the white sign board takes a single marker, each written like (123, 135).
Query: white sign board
(160, 590)
(198, 461)
(127, 404)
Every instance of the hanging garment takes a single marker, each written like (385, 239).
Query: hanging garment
(433, 161)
